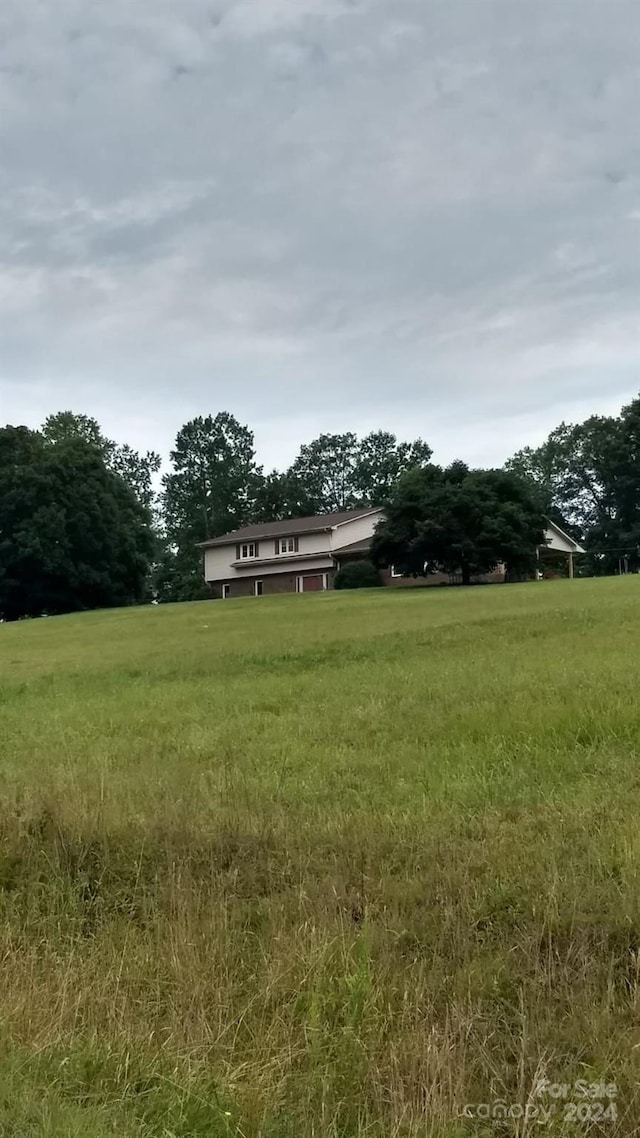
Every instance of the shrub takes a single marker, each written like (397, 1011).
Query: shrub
(357, 575)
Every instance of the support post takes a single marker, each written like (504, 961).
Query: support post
(571, 566)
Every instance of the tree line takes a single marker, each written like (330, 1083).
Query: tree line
(86, 522)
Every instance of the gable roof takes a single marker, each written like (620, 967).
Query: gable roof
(577, 548)
(290, 526)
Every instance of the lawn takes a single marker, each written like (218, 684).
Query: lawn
(335, 866)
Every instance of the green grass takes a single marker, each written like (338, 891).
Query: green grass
(327, 866)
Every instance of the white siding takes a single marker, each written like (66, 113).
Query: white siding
(314, 542)
(318, 564)
(217, 563)
(557, 540)
(356, 530)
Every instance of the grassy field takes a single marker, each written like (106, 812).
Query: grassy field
(335, 865)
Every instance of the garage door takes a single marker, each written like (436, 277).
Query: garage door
(312, 583)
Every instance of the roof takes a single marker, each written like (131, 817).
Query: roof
(290, 526)
(572, 541)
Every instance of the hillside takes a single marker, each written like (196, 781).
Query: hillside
(333, 865)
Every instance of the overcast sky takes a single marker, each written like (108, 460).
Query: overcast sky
(421, 215)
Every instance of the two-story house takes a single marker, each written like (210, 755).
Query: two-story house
(303, 554)
(297, 555)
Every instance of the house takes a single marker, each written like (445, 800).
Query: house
(303, 554)
(297, 555)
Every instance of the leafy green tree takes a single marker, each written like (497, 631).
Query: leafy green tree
(325, 470)
(72, 533)
(65, 426)
(280, 496)
(136, 469)
(381, 459)
(627, 479)
(589, 474)
(459, 521)
(271, 499)
(613, 537)
(336, 472)
(210, 490)
(212, 486)
(178, 577)
(573, 468)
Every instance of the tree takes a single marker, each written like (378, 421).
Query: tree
(136, 469)
(459, 521)
(589, 474)
(325, 472)
(72, 534)
(613, 536)
(65, 426)
(574, 469)
(214, 480)
(178, 577)
(280, 496)
(627, 473)
(336, 472)
(381, 460)
(211, 489)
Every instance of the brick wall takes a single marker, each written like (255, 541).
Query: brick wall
(436, 579)
(271, 583)
(241, 587)
(279, 583)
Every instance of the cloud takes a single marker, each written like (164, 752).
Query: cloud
(320, 214)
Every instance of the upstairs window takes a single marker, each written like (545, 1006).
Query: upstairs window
(248, 549)
(286, 545)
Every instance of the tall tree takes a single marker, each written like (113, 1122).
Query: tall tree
(459, 521)
(627, 482)
(325, 471)
(210, 490)
(589, 474)
(381, 460)
(212, 486)
(613, 536)
(281, 496)
(335, 472)
(135, 468)
(72, 533)
(64, 426)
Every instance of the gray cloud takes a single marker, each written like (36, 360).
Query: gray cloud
(320, 214)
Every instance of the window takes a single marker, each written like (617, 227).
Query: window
(257, 588)
(249, 549)
(225, 591)
(394, 573)
(287, 545)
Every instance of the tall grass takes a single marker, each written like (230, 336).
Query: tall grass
(329, 866)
